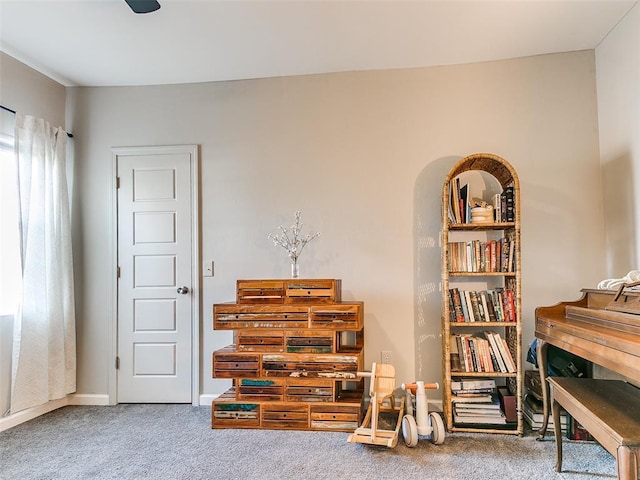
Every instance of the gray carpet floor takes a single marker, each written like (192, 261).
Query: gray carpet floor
(176, 442)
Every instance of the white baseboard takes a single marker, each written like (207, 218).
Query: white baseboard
(31, 413)
(88, 399)
(206, 399)
(34, 412)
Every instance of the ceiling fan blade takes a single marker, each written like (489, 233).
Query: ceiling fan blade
(143, 6)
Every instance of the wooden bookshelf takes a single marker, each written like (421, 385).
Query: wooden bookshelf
(485, 175)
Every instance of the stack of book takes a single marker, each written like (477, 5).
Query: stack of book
(475, 402)
(532, 412)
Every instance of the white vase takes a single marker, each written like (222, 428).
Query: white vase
(295, 271)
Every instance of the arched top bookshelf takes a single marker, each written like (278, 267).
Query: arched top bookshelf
(487, 162)
(481, 280)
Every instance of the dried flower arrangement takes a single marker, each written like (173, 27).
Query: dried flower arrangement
(293, 241)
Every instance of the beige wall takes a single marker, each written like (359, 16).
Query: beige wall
(618, 67)
(363, 156)
(30, 92)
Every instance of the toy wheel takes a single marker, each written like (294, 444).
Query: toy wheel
(437, 435)
(410, 430)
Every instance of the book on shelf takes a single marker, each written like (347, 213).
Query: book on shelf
(496, 305)
(497, 208)
(480, 419)
(466, 384)
(508, 204)
(532, 412)
(454, 200)
(459, 202)
(491, 404)
(471, 398)
(477, 256)
(496, 352)
(454, 294)
(467, 412)
(465, 215)
(507, 365)
(477, 312)
(471, 353)
(454, 355)
(451, 213)
(487, 416)
(507, 357)
(475, 400)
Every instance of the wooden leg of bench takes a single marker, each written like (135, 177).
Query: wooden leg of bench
(627, 460)
(557, 429)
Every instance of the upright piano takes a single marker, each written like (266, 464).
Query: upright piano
(603, 327)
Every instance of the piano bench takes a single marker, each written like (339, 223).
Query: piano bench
(609, 410)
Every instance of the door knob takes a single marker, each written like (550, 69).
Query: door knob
(183, 290)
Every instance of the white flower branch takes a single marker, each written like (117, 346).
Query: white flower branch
(292, 240)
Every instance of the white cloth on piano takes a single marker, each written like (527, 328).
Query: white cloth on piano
(614, 283)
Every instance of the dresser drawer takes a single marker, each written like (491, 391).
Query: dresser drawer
(226, 412)
(260, 291)
(285, 416)
(310, 366)
(335, 417)
(259, 341)
(342, 316)
(312, 291)
(229, 364)
(310, 341)
(232, 316)
(260, 389)
(312, 390)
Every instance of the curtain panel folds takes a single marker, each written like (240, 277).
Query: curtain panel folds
(44, 346)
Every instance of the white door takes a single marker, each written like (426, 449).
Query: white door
(157, 273)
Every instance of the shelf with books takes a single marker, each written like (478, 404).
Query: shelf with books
(481, 226)
(481, 285)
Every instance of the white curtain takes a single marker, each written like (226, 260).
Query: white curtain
(44, 346)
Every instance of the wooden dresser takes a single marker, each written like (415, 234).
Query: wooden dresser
(295, 357)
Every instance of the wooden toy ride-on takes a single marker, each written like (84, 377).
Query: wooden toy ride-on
(418, 421)
(382, 400)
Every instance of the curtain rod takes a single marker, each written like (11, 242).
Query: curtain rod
(70, 135)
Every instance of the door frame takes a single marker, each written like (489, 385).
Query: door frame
(193, 151)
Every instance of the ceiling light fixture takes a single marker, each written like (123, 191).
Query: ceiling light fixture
(143, 6)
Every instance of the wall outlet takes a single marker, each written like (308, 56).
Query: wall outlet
(386, 356)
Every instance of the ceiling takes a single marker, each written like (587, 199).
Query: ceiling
(102, 42)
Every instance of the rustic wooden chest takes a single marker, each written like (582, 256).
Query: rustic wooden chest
(295, 357)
